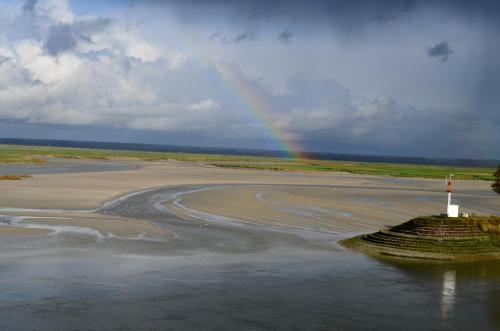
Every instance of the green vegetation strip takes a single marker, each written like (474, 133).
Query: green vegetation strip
(435, 237)
(15, 177)
(365, 168)
(37, 155)
(13, 154)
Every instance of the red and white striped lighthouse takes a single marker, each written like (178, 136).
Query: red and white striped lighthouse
(451, 210)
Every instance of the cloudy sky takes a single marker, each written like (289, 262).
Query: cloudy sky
(419, 78)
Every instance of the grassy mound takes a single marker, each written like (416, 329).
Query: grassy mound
(435, 237)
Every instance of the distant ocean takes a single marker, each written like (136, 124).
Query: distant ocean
(248, 152)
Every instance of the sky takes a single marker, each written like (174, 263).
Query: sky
(409, 78)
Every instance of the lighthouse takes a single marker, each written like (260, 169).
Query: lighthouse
(451, 210)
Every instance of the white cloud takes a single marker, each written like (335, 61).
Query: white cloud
(57, 67)
(44, 67)
(205, 105)
(56, 10)
(162, 123)
(120, 38)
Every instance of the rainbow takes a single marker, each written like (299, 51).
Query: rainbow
(255, 102)
(259, 106)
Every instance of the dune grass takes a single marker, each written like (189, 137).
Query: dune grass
(38, 154)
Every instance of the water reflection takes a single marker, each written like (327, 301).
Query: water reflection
(448, 293)
(463, 290)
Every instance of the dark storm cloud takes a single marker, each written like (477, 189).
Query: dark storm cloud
(350, 15)
(441, 50)
(286, 36)
(60, 39)
(64, 37)
(216, 36)
(247, 35)
(29, 7)
(3, 59)
(87, 27)
(297, 8)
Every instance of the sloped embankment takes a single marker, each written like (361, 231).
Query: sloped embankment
(435, 237)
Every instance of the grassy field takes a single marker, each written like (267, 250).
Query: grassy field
(38, 154)
(381, 169)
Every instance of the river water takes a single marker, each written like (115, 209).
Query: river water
(232, 276)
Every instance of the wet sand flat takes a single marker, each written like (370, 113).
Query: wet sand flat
(339, 203)
(336, 209)
(104, 225)
(12, 230)
(90, 190)
(87, 223)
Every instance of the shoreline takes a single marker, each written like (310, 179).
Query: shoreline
(333, 204)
